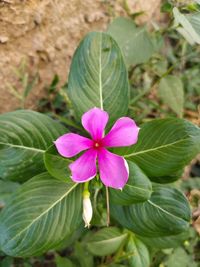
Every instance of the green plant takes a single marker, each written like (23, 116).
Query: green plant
(149, 216)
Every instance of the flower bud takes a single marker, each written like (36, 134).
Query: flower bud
(87, 209)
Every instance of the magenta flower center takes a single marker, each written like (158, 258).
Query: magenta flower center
(97, 144)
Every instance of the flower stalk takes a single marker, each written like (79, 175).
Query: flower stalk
(108, 206)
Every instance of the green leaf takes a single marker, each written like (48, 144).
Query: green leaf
(138, 189)
(63, 262)
(164, 147)
(166, 213)
(140, 254)
(189, 26)
(178, 258)
(84, 258)
(24, 137)
(6, 189)
(72, 238)
(165, 241)
(56, 165)
(134, 42)
(166, 7)
(194, 19)
(191, 183)
(172, 93)
(39, 216)
(98, 77)
(7, 262)
(29, 84)
(106, 241)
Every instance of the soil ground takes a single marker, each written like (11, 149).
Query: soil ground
(45, 33)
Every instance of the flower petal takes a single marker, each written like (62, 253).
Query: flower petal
(113, 169)
(123, 133)
(69, 145)
(94, 121)
(84, 168)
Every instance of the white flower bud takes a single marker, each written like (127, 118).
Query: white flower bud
(87, 210)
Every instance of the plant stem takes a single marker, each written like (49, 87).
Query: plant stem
(108, 206)
(95, 198)
(86, 185)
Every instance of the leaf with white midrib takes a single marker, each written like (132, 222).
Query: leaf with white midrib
(98, 77)
(39, 216)
(164, 147)
(105, 241)
(23, 147)
(161, 209)
(140, 255)
(24, 137)
(155, 149)
(43, 213)
(166, 213)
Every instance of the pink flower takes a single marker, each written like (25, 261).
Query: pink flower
(113, 169)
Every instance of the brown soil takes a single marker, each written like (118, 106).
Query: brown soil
(45, 34)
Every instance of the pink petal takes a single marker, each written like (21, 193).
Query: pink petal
(84, 168)
(113, 169)
(123, 133)
(69, 145)
(94, 121)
